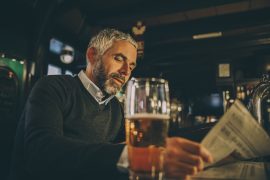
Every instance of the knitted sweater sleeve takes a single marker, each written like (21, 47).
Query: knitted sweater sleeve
(47, 152)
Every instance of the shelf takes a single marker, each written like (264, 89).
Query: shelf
(252, 81)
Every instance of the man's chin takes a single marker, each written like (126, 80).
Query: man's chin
(112, 89)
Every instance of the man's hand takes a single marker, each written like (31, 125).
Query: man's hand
(184, 157)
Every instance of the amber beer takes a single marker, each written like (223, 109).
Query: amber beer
(146, 135)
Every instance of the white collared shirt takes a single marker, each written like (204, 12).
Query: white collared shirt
(93, 89)
(122, 164)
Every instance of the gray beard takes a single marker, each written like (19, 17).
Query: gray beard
(104, 82)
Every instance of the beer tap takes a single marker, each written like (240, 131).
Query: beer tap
(259, 102)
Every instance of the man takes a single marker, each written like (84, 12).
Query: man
(71, 126)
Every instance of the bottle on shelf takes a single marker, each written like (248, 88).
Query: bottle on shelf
(238, 92)
(227, 100)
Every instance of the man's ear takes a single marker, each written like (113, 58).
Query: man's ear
(90, 54)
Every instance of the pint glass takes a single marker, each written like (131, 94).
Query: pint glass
(147, 112)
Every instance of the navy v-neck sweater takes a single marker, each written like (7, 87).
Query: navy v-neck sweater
(65, 134)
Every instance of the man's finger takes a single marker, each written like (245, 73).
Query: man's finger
(190, 146)
(199, 150)
(174, 166)
(179, 155)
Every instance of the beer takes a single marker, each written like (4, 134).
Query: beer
(147, 109)
(145, 136)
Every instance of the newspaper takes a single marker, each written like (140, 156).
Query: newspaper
(236, 170)
(237, 136)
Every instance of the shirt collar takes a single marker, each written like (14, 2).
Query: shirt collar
(93, 89)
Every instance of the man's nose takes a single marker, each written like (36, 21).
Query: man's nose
(125, 69)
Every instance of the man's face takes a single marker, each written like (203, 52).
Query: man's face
(113, 69)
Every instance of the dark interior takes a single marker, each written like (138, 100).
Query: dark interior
(172, 49)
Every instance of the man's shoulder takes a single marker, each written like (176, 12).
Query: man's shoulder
(58, 79)
(54, 86)
(57, 82)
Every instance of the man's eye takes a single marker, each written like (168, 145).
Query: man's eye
(118, 58)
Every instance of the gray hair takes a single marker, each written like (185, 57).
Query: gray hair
(105, 38)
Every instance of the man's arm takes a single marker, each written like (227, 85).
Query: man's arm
(48, 152)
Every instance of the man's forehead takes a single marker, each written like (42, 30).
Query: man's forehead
(124, 47)
(122, 43)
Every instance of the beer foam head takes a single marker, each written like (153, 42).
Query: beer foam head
(148, 116)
